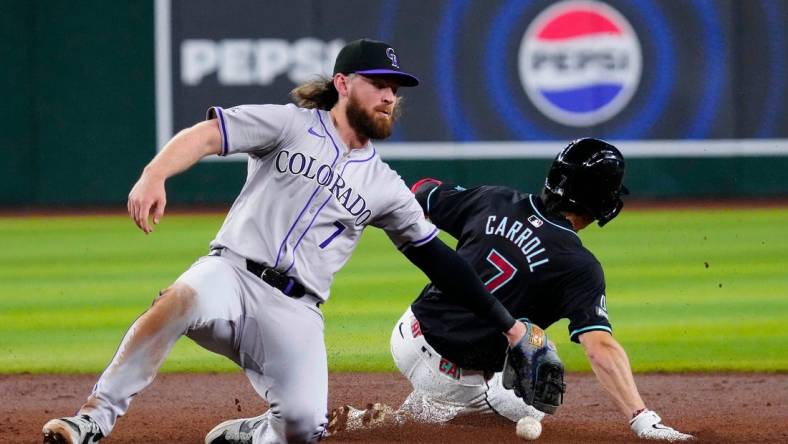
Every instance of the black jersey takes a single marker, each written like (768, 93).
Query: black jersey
(536, 266)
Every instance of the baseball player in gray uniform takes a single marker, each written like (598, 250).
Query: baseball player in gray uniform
(314, 182)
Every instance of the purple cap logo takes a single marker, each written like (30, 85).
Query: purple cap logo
(393, 57)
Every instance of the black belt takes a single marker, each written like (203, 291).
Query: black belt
(272, 277)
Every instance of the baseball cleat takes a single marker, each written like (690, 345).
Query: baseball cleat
(72, 430)
(235, 431)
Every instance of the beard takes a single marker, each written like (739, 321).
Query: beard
(368, 123)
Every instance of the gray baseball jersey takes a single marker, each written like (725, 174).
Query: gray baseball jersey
(307, 197)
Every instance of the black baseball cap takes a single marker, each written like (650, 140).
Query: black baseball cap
(372, 57)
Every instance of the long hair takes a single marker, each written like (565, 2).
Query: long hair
(320, 94)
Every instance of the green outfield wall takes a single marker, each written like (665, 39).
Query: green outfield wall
(78, 122)
(78, 118)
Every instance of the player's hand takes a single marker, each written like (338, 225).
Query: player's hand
(515, 333)
(648, 425)
(147, 198)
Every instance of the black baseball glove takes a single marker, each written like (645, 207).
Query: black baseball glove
(533, 370)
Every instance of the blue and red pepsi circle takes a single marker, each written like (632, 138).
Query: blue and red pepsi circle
(580, 62)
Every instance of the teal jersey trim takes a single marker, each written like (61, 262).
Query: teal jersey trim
(429, 196)
(590, 328)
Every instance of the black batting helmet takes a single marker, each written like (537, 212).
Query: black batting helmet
(586, 177)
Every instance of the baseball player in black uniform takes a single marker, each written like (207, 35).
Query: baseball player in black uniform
(526, 250)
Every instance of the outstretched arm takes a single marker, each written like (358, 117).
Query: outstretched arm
(453, 275)
(180, 153)
(611, 367)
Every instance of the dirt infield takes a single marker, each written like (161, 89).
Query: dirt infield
(181, 408)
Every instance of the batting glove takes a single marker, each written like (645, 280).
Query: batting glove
(648, 425)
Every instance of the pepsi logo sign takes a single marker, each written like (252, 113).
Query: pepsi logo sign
(580, 62)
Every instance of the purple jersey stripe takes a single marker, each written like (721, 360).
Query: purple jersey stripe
(282, 245)
(425, 239)
(314, 193)
(325, 203)
(298, 242)
(223, 129)
(419, 242)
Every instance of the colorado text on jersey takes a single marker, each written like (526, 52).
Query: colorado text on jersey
(325, 176)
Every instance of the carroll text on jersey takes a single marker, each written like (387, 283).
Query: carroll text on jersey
(526, 241)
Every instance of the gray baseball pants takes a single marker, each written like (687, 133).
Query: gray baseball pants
(277, 340)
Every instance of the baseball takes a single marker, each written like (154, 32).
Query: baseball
(528, 428)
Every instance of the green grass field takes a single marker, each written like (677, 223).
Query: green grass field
(687, 291)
